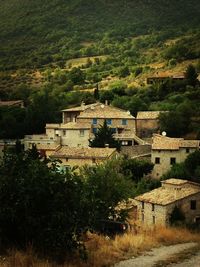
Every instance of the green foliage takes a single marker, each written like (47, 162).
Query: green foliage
(106, 186)
(103, 137)
(176, 217)
(38, 206)
(123, 72)
(50, 210)
(178, 171)
(192, 164)
(180, 117)
(189, 169)
(146, 185)
(136, 169)
(191, 75)
(35, 40)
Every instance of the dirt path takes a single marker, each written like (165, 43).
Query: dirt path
(192, 262)
(157, 255)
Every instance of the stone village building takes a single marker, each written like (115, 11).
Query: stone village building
(167, 151)
(156, 206)
(80, 156)
(147, 123)
(79, 124)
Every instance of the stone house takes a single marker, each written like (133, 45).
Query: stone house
(156, 206)
(12, 103)
(161, 77)
(167, 151)
(147, 123)
(78, 156)
(79, 124)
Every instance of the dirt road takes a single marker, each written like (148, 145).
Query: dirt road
(159, 257)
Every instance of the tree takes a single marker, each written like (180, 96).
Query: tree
(39, 206)
(105, 187)
(176, 217)
(103, 137)
(191, 75)
(136, 169)
(77, 76)
(168, 120)
(123, 72)
(96, 92)
(192, 164)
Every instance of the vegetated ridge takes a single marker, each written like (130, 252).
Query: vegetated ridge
(37, 32)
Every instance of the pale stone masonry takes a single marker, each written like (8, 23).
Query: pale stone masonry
(167, 151)
(83, 156)
(156, 206)
(147, 123)
(79, 124)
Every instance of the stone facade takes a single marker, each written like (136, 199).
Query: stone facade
(71, 157)
(81, 123)
(147, 123)
(156, 206)
(167, 151)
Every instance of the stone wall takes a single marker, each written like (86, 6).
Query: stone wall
(134, 151)
(165, 156)
(159, 215)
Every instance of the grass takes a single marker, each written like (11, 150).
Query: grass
(103, 251)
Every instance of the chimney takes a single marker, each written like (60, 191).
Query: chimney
(106, 102)
(106, 145)
(82, 105)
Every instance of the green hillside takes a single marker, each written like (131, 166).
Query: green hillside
(37, 32)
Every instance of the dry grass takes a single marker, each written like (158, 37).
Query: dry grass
(103, 251)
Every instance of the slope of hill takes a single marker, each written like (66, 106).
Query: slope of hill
(38, 32)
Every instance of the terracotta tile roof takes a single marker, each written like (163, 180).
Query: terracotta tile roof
(174, 181)
(76, 152)
(102, 111)
(81, 108)
(52, 125)
(11, 103)
(47, 146)
(190, 143)
(143, 115)
(167, 143)
(164, 195)
(75, 125)
(168, 74)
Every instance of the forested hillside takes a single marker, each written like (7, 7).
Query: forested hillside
(37, 32)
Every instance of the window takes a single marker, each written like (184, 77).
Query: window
(108, 121)
(64, 132)
(66, 159)
(187, 150)
(124, 122)
(82, 132)
(93, 160)
(142, 205)
(154, 219)
(153, 207)
(172, 161)
(157, 160)
(94, 121)
(193, 204)
(94, 130)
